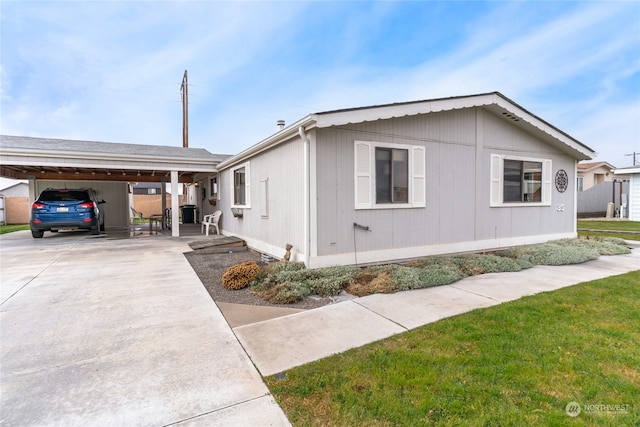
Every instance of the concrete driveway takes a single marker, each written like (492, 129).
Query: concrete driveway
(102, 331)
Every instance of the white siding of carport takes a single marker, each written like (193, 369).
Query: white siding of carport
(283, 167)
(116, 209)
(458, 145)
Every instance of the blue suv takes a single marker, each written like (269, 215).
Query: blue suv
(73, 208)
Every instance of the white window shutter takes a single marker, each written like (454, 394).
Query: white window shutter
(546, 182)
(495, 190)
(363, 175)
(247, 171)
(418, 175)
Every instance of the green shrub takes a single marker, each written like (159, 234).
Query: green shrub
(332, 280)
(554, 253)
(430, 276)
(611, 246)
(285, 293)
(268, 276)
(286, 282)
(291, 281)
(406, 278)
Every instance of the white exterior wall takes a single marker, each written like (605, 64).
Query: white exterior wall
(457, 216)
(116, 210)
(282, 169)
(634, 198)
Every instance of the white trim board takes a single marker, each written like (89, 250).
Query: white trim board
(401, 254)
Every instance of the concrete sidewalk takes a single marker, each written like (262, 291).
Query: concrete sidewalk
(103, 331)
(97, 331)
(279, 344)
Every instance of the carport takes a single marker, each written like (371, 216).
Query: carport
(47, 162)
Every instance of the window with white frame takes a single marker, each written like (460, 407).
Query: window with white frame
(580, 183)
(392, 175)
(520, 181)
(241, 186)
(389, 175)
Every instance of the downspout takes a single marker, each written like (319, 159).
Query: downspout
(575, 198)
(307, 195)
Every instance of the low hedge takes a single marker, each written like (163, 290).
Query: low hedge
(287, 282)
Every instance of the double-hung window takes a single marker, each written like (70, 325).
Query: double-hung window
(241, 185)
(389, 175)
(519, 181)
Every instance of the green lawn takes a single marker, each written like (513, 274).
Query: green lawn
(519, 363)
(633, 226)
(13, 227)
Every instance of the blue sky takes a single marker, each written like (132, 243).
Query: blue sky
(111, 71)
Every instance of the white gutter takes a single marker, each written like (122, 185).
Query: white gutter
(307, 195)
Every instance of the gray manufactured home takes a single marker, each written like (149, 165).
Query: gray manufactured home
(405, 180)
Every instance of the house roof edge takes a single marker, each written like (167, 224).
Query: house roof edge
(277, 138)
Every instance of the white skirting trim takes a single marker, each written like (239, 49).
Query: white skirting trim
(400, 254)
(266, 248)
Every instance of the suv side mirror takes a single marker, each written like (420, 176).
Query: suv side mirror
(101, 202)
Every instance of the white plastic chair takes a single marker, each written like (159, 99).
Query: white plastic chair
(211, 220)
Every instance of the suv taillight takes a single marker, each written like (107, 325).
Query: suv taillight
(37, 205)
(86, 205)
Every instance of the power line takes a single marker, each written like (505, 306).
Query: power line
(634, 157)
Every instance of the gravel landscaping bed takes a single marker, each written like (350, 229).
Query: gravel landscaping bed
(210, 265)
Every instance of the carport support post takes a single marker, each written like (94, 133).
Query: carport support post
(175, 225)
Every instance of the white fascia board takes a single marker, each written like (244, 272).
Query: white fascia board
(100, 156)
(391, 111)
(307, 122)
(626, 171)
(384, 112)
(581, 152)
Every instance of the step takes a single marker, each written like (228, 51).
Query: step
(221, 242)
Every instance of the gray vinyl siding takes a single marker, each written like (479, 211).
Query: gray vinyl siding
(458, 146)
(283, 166)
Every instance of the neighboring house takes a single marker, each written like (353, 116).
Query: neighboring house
(16, 208)
(634, 190)
(146, 198)
(405, 180)
(594, 173)
(147, 188)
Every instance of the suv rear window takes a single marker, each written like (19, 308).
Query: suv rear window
(64, 196)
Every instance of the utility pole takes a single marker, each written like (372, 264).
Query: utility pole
(184, 90)
(634, 157)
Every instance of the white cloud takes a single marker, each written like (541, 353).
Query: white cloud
(111, 70)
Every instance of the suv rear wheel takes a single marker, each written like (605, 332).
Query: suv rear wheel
(37, 233)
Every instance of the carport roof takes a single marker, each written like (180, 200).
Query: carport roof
(47, 158)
